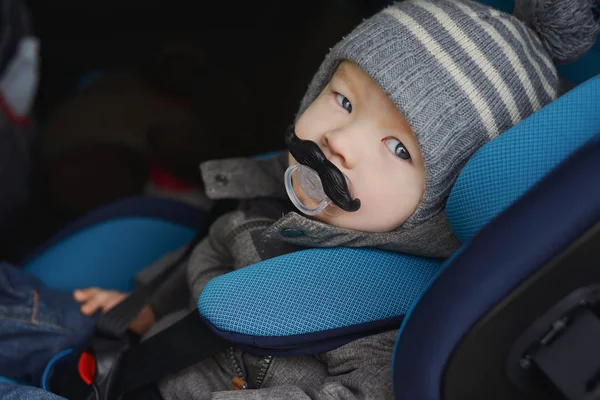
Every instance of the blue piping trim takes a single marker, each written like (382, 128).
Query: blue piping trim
(51, 363)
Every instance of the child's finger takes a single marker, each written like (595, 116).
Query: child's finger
(84, 294)
(89, 308)
(93, 303)
(112, 299)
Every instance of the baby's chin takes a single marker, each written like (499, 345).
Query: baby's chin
(351, 221)
(343, 220)
(327, 219)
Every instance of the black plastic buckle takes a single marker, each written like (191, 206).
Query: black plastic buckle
(570, 358)
(562, 347)
(108, 353)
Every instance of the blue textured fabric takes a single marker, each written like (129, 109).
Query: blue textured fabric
(108, 246)
(315, 290)
(506, 252)
(138, 206)
(108, 254)
(505, 168)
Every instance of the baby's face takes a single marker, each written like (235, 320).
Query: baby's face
(361, 132)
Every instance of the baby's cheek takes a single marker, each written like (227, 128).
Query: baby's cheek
(385, 210)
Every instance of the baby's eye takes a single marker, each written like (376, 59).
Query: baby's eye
(344, 102)
(397, 148)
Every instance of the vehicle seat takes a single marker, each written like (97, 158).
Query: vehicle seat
(108, 246)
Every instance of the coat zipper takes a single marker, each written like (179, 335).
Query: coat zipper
(262, 373)
(266, 363)
(236, 366)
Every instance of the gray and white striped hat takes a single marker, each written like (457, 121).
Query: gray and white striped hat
(461, 73)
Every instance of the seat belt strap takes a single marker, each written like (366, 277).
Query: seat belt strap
(114, 323)
(183, 344)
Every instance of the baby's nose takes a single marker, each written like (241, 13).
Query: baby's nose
(340, 146)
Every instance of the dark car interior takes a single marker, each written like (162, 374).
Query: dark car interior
(222, 79)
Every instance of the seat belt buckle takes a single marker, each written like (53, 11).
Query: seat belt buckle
(100, 366)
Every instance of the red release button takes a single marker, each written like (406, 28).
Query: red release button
(87, 367)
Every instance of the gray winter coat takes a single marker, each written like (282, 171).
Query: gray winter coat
(256, 231)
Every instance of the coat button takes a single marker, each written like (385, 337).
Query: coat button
(221, 180)
(292, 233)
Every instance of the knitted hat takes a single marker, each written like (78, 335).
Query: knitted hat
(461, 73)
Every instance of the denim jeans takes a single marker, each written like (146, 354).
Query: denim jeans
(16, 392)
(36, 323)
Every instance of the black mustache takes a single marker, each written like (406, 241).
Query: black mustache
(334, 183)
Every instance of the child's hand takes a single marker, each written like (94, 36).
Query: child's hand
(94, 299)
(144, 321)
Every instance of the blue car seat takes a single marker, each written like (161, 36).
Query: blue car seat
(108, 246)
(469, 323)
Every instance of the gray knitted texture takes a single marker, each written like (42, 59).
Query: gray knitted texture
(568, 29)
(460, 72)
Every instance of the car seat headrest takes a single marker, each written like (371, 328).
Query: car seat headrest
(310, 297)
(506, 167)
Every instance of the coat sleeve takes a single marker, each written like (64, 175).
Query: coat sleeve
(230, 245)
